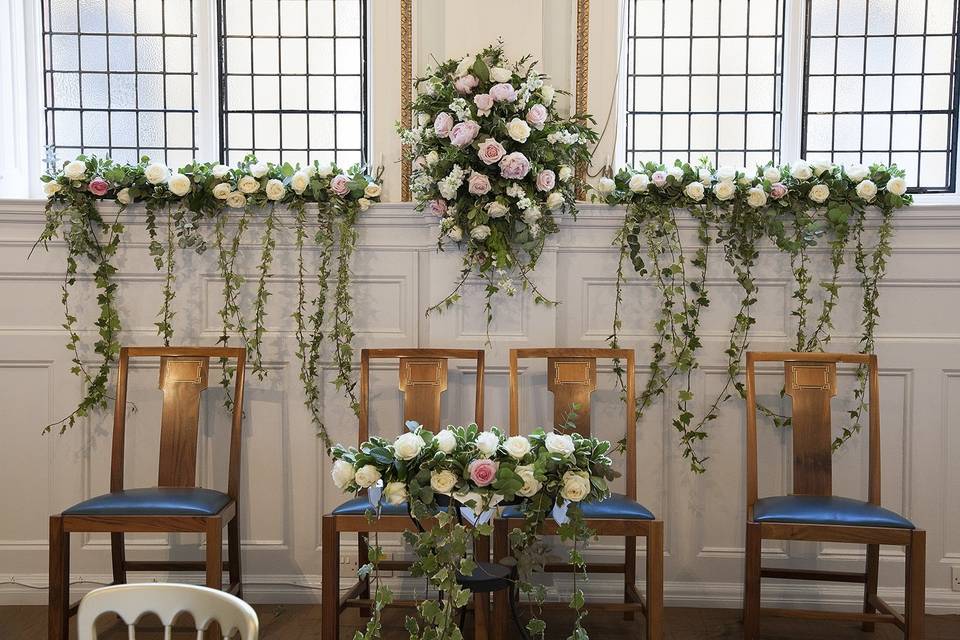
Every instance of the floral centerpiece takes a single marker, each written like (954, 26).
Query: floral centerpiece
(494, 160)
(438, 474)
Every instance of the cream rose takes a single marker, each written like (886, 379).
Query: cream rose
(446, 440)
(366, 476)
(518, 129)
(299, 182)
(800, 170)
(443, 481)
(259, 169)
(819, 193)
(75, 170)
(222, 191)
(756, 197)
(530, 483)
(499, 74)
(123, 196)
(771, 174)
(178, 184)
(694, 191)
(248, 184)
(724, 190)
(606, 186)
(820, 166)
(275, 189)
(455, 233)
(395, 493)
(639, 183)
(373, 190)
(575, 486)
(497, 209)
(487, 443)
(432, 158)
(407, 446)
(676, 172)
(480, 232)
(517, 446)
(325, 171)
(725, 174)
(220, 171)
(236, 200)
(342, 473)
(156, 173)
(52, 187)
(867, 190)
(554, 201)
(531, 215)
(857, 172)
(559, 443)
(547, 92)
(564, 173)
(363, 203)
(897, 186)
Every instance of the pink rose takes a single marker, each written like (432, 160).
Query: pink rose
(478, 183)
(98, 187)
(484, 103)
(491, 151)
(442, 124)
(339, 185)
(419, 163)
(503, 92)
(659, 178)
(483, 472)
(466, 84)
(514, 166)
(438, 207)
(463, 133)
(546, 180)
(536, 116)
(778, 190)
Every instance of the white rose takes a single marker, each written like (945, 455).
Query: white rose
(857, 172)
(364, 204)
(366, 476)
(395, 493)
(547, 92)
(222, 191)
(236, 200)
(559, 443)
(156, 173)
(639, 183)
(480, 232)
(487, 443)
(517, 446)
(75, 170)
(464, 67)
(311, 170)
(52, 187)
(724, 190)
(178, 184)
(219, 171)
(499, 74)
(432, 158)
(575, 487)
(455, 233)
(800, 170)
(897, 186)
(744, 179)
(373, 190)
(248, 184)
(325, 171)
(496, 209)
(606, 186)
(426, 88)
(518, 129)
(259, 169)
(123, 196)
(756, 197)
(342, 473)
(275, 189)
(725, 174)
(407, 446)
(443, 481)
(867, 190)
(554, 201)
(446, 440)
(299, 182)
(694, 191)
(530, 483)
(676, 172)
(423, 119)
(771, 174)
(564, 173)
(819, 193)
(531, 215)
(819, 166)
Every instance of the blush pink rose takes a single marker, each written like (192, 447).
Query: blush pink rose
(514, 166)
(478, 184)
(442, 124)
(778, 190)
(546, 180)
(536, 116)
(98, 187)
(466, 84)
(659, 178)
(419, 163)
(463, 133)
(339, 185)
(483, 472)
(484, 103)
(491, 151)
(503, 92)
(438, 207)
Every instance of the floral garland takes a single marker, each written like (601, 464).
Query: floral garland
(194, 207)
(434, 473)
(795, 206)
(495, 161)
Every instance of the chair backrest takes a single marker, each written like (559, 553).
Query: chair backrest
(167, 601)
(572, 378)
(184, 373)
(810, 380)
(423, 379)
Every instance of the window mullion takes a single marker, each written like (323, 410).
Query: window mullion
(207, 80)
(793, 80)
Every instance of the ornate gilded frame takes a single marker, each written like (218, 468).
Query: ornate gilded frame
(406, 75)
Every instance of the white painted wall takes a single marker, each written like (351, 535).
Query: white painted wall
(397, 274)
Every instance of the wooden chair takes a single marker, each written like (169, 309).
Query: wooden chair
(167, 601)
(812, 512)
(572, 377)
(176, 504)
(423, 379)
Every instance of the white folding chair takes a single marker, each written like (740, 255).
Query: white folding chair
(167, 601)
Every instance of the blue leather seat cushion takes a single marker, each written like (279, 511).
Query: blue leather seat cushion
(616, 506)
(359, 506)
(826, 510)
(155, 501)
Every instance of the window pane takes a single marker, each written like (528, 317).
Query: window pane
(703, 78)
(114, 73)
(880, 86)
(296, 71)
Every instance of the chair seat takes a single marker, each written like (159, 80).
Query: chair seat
(487, 577)
(616, 506)
(155, 501)
(832, 510)
(361, 504)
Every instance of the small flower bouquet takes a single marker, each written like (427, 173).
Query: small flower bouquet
(494, 160)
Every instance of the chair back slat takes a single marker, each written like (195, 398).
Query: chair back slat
(811, 386)
(572, 381)
(182, 380)
(423, 381)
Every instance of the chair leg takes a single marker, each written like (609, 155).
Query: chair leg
(916, 584)
(481, 601)
(654, 579)
(870, 587)
(363, 557)
(215, 553)
(233, 554)
(751, 582)
(330, 580)
(118, 555)
(501, 598)
(59, 590)
(629, 572)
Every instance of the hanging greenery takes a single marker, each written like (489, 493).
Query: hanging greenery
(202, 205)
(795, 207)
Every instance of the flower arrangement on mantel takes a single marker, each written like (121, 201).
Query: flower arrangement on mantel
(494, 160)
(434, 473)
(197, 206)
(795, 206)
